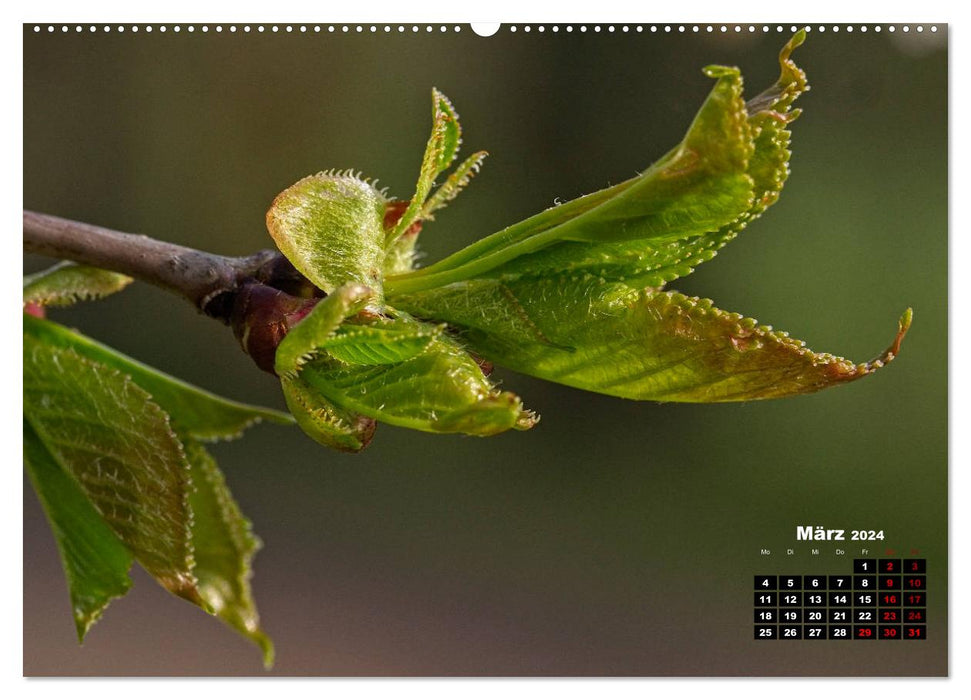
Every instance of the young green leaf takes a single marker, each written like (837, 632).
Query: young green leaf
(303, 341)
(439, 388)
(67, 283)
(657, 226)
(330, 425)
(636, 344)
(224, 545)
(440, 151)
(455, 183)
(96, 563)
(118, 445)
(379, 343)
(331, 227)
(194, 412)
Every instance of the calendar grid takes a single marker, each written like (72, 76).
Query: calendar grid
(883, 599)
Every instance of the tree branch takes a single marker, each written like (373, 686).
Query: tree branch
(197, 276)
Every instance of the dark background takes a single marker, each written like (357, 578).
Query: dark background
(614, 538)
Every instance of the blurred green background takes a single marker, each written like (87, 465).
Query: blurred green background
(614, 538)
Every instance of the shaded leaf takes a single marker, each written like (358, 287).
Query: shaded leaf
(67, 283)
(637, 344)
(96, 563)
(331, 227)
(330, 425)
(224, 545)
(194, 412)
(117, 443)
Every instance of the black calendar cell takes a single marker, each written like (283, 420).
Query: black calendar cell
(839, 616)
(889, 583)
(840, 583)
(865, 583)
(766, 583)
(915, 566)
(890, 566)
(815, 615)
(889, 616)
(864, 600)
(790, 583)
(865, 615)
(810, 599)
(814, 583)
(814, 632)
(790, 631)
(838, 599)
(766, 632)
(766, 616)
(888, 599)
(915, 583)
(788, 617)
(864, 566)
(766, 600)
(864, 631)
(790, 600)
(915, 600)
(916, 616)
(889, 631)
(915, 631)
(840, 632)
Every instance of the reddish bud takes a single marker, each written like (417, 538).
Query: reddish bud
(483, 363)
(35, 310)
(393, 212)
(262, 316)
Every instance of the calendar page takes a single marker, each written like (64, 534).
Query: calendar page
(701, 495)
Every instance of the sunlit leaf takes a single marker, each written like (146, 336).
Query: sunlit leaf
(224, 545)
(658, 226)
(440, 151)
(637, 344)
(455, 183)
(305, 339)
(96, 563)
(194, 412)
(438, 389)
(331, 227)
(67, 283)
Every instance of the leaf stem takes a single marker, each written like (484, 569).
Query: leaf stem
(195, 275)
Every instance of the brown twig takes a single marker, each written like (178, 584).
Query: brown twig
(202, 278)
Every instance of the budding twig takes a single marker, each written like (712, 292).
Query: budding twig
(195, 275)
